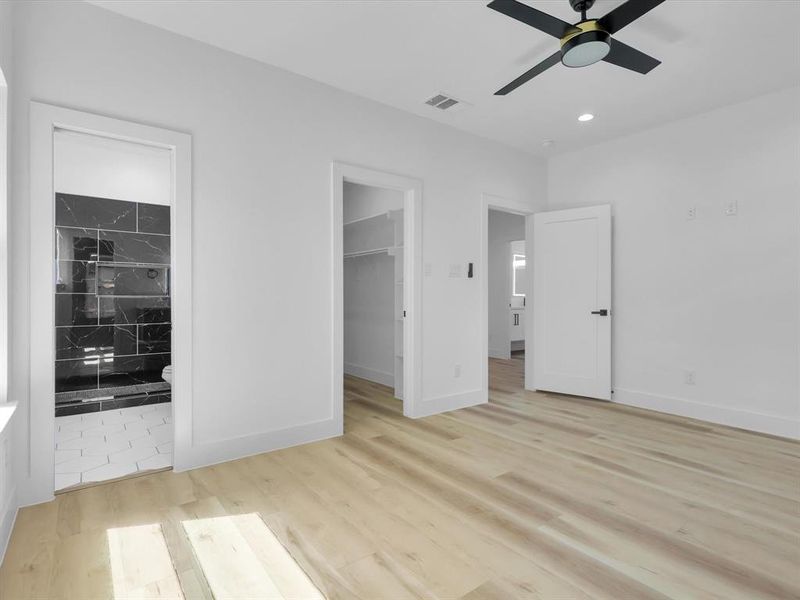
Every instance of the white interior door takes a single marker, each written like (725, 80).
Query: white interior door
(572, 301)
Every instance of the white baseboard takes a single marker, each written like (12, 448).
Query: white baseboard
(441, 404)
(369, 374)
(733, 417)
(498, 353)
(9, 516)
(211, 453)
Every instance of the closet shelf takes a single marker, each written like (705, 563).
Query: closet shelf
(367, 252)
(390, 250)
(384, 215)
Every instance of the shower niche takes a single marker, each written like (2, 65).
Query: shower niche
(112, 303)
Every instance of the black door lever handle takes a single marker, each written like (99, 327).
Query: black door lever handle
(603, 312)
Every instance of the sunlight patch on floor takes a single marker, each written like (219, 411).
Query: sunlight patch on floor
(241, 558)
(141, 566)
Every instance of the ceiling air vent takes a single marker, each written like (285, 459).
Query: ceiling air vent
(445, 102)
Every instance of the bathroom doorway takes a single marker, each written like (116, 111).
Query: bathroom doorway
(506, 275)
(110, 296)
(517, 261)
(508, 334)
(113, 331)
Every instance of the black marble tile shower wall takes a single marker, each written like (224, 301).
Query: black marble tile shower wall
(112, 295)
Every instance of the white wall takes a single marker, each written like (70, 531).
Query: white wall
(717, 294)
(263, 143)
(503, 229)
(369, 317)
(90, 165)
(366, 200)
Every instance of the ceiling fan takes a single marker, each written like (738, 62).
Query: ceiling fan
(585, 42)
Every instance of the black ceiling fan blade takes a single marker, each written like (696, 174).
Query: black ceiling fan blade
(530, 74)
(625, 14)
(533, 17)
(624, 56)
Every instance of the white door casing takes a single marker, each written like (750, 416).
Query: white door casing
(38, 467)
(412, 288)
(572, 280)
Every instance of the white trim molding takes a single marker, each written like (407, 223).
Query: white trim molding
(7, 519)
(8, 491)
(381, 377)
(499, 353)
(722, 415)
(412, 288)
(441, 404)
(234, 448)
(37, 484)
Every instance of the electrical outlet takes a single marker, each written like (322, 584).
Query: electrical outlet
(731, 208)
(457, 371)
(689, 377)
(691, 213)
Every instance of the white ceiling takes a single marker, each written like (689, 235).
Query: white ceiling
(401, 52)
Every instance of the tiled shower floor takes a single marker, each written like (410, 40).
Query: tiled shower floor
(104, 445)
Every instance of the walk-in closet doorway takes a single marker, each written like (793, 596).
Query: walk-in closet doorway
(376, 291)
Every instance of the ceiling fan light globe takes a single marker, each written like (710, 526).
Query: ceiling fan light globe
(585, 49)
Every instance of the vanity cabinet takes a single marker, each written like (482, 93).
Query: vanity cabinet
(517, 324)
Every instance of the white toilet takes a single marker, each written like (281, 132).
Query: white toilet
(166, 374)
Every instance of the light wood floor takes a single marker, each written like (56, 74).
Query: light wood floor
(531, 496)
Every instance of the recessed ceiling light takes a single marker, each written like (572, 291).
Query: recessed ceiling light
(585, 117)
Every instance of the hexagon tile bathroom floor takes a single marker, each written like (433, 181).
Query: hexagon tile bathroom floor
(99, 446)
